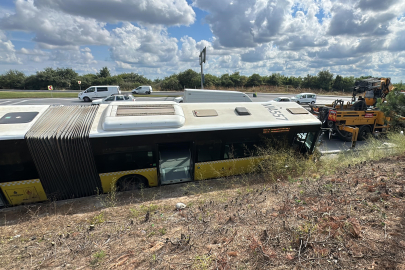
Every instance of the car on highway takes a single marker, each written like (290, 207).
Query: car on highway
(113, 98)
(178, 99)
(97, 92)
(281, 99)
(143, 89)
(309, 98)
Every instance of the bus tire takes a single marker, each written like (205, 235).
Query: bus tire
(364, 132)
(132, 182)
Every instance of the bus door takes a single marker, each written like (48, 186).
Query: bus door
(175, 163)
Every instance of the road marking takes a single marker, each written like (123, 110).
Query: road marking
(5, 101)
(18, 102)
(65, 98)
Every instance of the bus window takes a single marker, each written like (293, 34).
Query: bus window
(310, 139)
(304, 141)
(116, 162)
(15, 162)
(239, 150)
(209, 151)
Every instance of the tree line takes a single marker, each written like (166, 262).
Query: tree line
(67, 78)
(324, 80)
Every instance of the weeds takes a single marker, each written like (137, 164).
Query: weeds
(202, 262)
(109, 200)
(98, 219)
(143, 209)
(98, 257)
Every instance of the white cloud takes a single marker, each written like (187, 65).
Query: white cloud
(145, 47)
(7, 51)
(53, 28)
(295, 37)
(62, 57)
(167, 12)
(123, 65)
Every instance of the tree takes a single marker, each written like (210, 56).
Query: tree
(243, 80)
(394, 108)
(254, 80)
(338, 83)
(104, 72)
(236, 79)
(12, 79)
(226, 81)
(399, 86)
(66, 77)
(325, 79)
(46, 77)
(189, 79)
(348, 84)
(170, 83)
(310, 81)
(211, 81)
(275, 79)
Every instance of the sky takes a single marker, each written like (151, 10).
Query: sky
(157, 38)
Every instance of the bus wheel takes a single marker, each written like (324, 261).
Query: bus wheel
(364, 132)
(86, 99)
(131, 182)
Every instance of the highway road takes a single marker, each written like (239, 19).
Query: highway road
(261, 97)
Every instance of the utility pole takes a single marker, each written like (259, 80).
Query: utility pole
(203, 54)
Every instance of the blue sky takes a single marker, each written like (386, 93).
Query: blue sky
(159, 38)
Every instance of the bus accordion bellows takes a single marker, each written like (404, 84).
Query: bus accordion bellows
(65, 152)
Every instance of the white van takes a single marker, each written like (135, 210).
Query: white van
(97, 92)
(143, 89)
(201, 96)
(309, 98)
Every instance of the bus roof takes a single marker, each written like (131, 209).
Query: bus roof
(141, 118)
(15, 121)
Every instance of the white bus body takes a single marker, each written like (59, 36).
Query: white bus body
(202, 96)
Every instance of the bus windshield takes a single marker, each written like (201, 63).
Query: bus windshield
(304, 142)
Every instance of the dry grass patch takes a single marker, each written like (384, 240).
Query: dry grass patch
(325, 217)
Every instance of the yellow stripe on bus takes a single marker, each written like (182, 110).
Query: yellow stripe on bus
(26, 191)
(221, 168)
(107, 178)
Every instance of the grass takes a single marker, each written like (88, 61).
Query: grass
(50, 94)
(97, 257)
(20, 94)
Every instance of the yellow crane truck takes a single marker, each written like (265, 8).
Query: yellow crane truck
(356, 120)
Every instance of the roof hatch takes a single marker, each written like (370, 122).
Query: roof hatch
(242, 111)
(141, 116)
(297, 111)
(205, 113)
(145, 110)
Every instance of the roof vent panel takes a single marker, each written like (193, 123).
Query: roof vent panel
(242, 111)
(297, 111)
(205, 113)
(145, 110)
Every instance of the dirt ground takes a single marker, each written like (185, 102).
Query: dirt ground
(353, 219)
